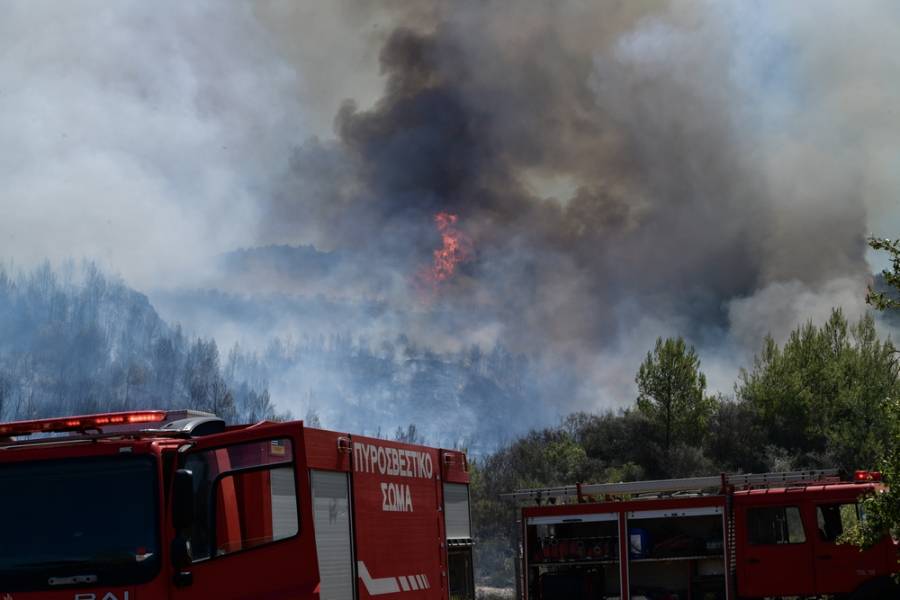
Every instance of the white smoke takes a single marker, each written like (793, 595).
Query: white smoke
(138, 134)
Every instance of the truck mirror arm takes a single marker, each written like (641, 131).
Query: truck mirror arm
(182, 520)
(182, 556)
(183, 500)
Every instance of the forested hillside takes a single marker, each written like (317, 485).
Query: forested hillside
(75, 341)
(454, 399)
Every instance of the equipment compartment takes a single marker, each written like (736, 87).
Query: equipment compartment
(678, 555)
(574, 558)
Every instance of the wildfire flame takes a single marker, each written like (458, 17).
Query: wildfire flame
(456, 248)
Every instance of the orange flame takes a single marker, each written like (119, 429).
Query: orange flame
(456, 248)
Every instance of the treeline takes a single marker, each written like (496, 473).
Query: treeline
(820, 400)
(458, 399)
(73, 341)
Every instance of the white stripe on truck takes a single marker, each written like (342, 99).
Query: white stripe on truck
(391, 585)
(377, 587)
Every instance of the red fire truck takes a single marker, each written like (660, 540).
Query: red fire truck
(158, 505)
(769, 535)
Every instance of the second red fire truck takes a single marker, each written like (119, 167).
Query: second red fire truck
(176, 505)
(774, 535)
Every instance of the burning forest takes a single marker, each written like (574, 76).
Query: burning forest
(562, 183)
(567, 181)
(495, 225)
(415, 186)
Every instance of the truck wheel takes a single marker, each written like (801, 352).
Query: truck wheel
(884, 587)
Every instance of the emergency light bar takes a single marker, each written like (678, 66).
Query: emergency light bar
(865, 476)
(64, 424)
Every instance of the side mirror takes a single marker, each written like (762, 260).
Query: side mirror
(183, 500)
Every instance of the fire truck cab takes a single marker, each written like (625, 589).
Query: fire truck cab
(773, 535)
(176, 505)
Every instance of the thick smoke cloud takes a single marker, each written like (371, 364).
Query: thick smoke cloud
(625, 170)
(138, 134)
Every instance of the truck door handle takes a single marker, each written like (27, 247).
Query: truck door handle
(753, 561)
(824, 557)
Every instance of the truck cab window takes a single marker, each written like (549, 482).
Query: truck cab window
(254, 508)
(775, 525)
(244, 497)
(834, 519)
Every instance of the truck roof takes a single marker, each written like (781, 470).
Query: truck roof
(822, 481)
(143, 429)
(826, 489)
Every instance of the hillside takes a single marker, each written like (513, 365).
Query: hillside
(77, 341)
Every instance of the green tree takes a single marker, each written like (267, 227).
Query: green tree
(671, 393)
(883, 509)
(883, 300)
(823, 395)
(735, 440)
(541, 458)
(859, 426)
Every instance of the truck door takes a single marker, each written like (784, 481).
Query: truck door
(334, 541)
(458, 530)
(246, 537)
(397, 521)
(841, 568)
(774, 554)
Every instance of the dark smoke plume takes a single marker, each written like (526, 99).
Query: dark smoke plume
(623, 169)
(617, 166)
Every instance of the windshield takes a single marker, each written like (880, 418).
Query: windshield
(76, 521)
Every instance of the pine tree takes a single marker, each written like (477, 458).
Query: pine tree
(671, 392)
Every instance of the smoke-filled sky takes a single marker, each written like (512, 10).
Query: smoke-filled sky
(622, 169)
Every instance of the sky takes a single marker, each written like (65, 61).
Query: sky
(621, 170)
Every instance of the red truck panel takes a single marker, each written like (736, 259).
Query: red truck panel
(454, 466)
(398, 520)
(323, 450)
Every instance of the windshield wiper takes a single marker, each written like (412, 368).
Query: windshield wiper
(60, 565)
(72, 580)
(52, 564)
(92, 563)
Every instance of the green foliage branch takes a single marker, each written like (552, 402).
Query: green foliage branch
(882, 509)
